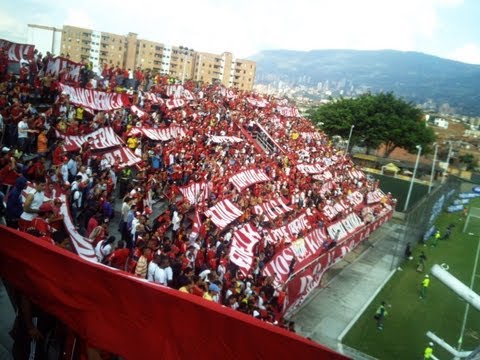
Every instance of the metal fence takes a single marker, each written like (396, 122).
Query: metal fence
(420, 219)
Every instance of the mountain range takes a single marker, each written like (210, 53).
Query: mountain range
(437, 83)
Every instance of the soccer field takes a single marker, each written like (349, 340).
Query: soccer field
(442, 311)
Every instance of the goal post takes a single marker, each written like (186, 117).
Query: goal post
(472, 222)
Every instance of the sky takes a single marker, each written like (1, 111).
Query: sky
(445, 28)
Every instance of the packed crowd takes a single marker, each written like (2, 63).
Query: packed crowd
(162, 247)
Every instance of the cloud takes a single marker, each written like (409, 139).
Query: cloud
(249, 26)
(11, 28)
(468, 53)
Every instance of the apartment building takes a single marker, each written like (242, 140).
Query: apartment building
(130, 52)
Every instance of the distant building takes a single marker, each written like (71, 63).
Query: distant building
(129, 52)
(441, 123)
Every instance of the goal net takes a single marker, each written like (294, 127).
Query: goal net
(472, 223)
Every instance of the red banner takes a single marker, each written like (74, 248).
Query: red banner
(84, 296)
(120, 155)
(95, 100)
(57, 64)
(247, 178)
(17, 51)
(223, 213)
(100, 139)
(243, 243)
(165, 134)
(312, 259)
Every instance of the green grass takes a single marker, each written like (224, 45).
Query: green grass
(442, 311)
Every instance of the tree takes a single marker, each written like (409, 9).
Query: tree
(380, 119)
(468, 160)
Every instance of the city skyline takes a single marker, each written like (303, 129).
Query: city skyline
(445, 28)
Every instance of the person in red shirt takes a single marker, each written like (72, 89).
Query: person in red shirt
(40, 225)
(118, 258)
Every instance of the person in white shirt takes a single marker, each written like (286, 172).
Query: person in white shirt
(33, 201)
(165, 265)
(104, 248)
(156, 273)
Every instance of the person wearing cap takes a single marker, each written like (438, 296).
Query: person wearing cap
(212, 293)
(428, 352)
(425, 284)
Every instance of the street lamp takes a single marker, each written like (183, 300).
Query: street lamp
(433, 167)
(349, 137)
(187, 55)
(419, 148)
(448, 162)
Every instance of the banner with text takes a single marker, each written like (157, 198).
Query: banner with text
(272, 209)
(223, 213)
(16, 51)
(164, 134)
(95, 100)
(247, 178)
(100, 139)
(69, 68)
(243, 243)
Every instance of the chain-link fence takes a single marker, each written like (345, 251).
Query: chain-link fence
(420, 219)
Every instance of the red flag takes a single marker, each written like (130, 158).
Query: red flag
(196, 226)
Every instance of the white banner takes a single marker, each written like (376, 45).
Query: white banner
(375, 196)
(247, 178)
(258, 102)
(311, 135)
(57, 64)
(311, 169)
(223, 213)
(100, 139)
(153, 98)
(174, 103)
(243, 243)
(272, 209)
(134, 109)
(287, 232)
(195, 193)
(95, 100)
(224, 139)
(165, 134)
(288, 111)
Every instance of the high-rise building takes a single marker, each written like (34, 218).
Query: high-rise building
(129, 52)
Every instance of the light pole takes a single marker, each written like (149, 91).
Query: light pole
(184, 65)
(433, 167)
(448, 162)
(349, 137)
(413, 178)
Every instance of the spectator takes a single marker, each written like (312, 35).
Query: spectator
(14, 207)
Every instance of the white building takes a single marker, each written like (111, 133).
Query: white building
(441, 123)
